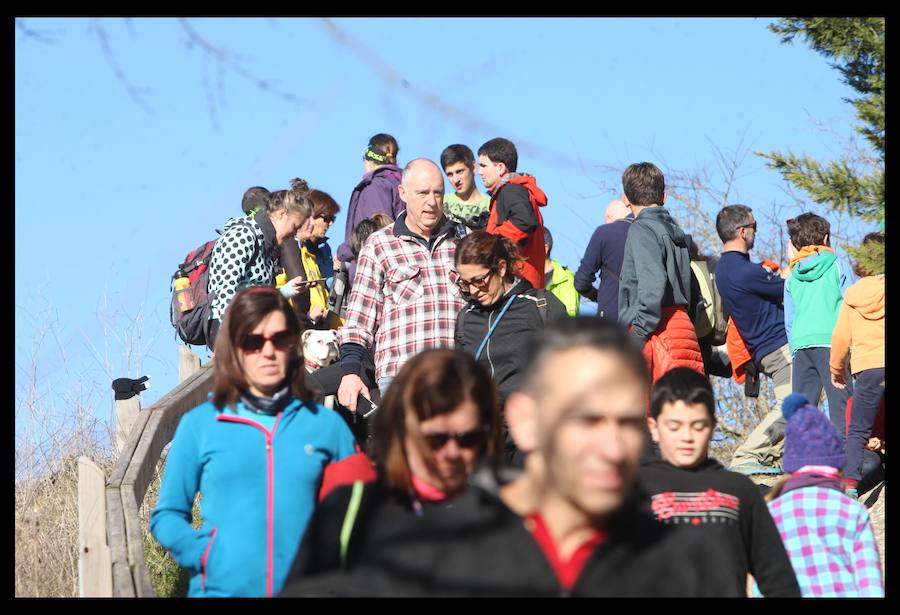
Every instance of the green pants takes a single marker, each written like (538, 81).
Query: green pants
(765, 444)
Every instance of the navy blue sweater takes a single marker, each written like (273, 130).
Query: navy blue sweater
(604, 253)
(753, 296)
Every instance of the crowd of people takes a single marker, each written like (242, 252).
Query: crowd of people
(483, 438)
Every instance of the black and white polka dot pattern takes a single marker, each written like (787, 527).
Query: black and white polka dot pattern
(229, 271)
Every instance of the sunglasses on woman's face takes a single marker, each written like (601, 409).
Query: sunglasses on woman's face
(254, 342)
(328, 219)
(480, 281)
(467, 439)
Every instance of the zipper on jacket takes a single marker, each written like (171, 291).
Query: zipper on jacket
(270, 494)
(205, 558)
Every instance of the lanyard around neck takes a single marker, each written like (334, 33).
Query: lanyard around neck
(490, 332)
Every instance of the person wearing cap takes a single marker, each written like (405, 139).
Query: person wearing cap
(604, 254)
(828, 535)
(376, 192)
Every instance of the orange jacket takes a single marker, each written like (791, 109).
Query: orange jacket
(735, 345)
(533, 250)
(860, 325)
(673, 344)
(737, 351)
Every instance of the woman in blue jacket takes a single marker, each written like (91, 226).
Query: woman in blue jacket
(256, 452)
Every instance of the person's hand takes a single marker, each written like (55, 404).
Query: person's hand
(874, 444)
(837, 381)
(316, 313)
(352, 387)
(336, 263)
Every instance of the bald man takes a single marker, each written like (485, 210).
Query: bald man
(402, 295)
(604, 254)
(616, 210)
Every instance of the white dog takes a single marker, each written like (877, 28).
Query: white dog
(320, 349)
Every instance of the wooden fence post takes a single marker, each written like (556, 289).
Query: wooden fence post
(188, 363)
(94, 561)
(127, 411)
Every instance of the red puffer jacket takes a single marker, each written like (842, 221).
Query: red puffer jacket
(673, 344)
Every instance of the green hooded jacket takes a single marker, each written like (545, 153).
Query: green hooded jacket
(812, 297)
(562, 285)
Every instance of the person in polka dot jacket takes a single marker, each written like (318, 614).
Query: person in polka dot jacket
(247, 253)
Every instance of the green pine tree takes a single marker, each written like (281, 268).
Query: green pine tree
(850, 184)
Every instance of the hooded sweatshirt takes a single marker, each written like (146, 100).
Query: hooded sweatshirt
(515, 214)
(656, 271)
(730, 511)
(812, 298)
(375, 193)
(860, 327)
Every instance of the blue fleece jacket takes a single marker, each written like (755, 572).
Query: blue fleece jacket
(753, 296)
(258, 489)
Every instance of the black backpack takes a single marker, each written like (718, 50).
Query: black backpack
(192, 326)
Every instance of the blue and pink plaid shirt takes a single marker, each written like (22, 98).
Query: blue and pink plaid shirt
(830, 541)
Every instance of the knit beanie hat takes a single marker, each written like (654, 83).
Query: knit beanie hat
(810, 438)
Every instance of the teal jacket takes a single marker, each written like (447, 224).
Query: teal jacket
(562, 285)
(812, 298)
(258, 487)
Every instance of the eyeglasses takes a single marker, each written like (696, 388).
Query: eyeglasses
(329, 218)
(479, 281)
(751, 225)
(255, 342)
(467, 439)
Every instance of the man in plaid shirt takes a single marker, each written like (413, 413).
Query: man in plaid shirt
(403, 300)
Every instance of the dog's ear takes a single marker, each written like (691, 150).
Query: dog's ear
(305, 335)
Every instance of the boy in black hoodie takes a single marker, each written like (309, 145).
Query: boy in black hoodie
(686, 487)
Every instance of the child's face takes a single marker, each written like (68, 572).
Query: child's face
(683, 432)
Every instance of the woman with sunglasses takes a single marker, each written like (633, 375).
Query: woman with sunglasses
(437, 421)
(308, 255)
(256, 452)
(504, 310)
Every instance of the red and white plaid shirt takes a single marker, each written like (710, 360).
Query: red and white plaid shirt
(404, 298)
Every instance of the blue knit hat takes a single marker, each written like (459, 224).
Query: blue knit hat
(810, 438)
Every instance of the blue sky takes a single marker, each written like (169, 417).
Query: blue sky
(111, 192)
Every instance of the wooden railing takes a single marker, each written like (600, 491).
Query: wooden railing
(152, 430)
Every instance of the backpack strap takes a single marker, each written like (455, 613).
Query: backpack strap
(350, 519)
(540, 300)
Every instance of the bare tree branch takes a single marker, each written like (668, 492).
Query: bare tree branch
(43, 36)
(136, 94)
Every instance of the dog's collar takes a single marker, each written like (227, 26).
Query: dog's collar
(311, 365)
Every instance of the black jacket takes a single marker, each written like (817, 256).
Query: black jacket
(479, 547)
(503, 356)
(381, 513)
(727, 510)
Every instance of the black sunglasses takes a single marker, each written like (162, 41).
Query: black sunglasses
(254, 342)
(467, 439)
(751, 225)
(478, 281)
(329, 218)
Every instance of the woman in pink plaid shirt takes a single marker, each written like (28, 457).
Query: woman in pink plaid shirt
(827, 535)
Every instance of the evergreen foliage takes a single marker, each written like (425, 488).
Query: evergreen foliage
(854, 183)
